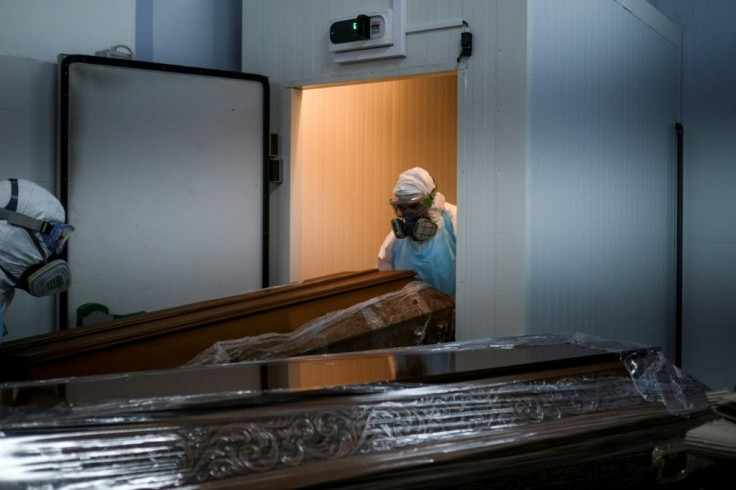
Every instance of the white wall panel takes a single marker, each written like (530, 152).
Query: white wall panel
(491, 166)
(41, 29)
(296, 53)
(603, 103)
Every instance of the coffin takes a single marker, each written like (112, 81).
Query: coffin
(550, 411)
(173, 337)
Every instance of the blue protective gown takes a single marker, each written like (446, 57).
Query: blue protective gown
(433, 260)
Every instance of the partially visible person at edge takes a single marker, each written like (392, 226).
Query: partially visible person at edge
(422, 238)
(32, 237)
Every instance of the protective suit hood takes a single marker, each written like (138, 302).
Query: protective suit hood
(17, 249)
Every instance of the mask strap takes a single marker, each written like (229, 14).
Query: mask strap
(427, 201)
(36, 243)
(26, 222)
(9, 275)
(13, 203)
(10, 214)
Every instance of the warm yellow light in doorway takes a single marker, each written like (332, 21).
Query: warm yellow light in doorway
(354, 140)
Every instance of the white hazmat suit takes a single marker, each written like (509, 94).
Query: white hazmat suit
(20, 248)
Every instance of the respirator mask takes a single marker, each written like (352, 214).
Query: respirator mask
(52, 274)
(410, 221)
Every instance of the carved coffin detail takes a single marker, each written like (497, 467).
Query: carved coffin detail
(481, 412)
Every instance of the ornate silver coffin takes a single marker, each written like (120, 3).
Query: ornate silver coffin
(534, 411)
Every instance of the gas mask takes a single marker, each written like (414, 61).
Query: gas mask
(416, 228)
(411, 221)
(45, 278)
(51, 275)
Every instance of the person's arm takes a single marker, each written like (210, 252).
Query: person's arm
(452, 211)
(384, 253)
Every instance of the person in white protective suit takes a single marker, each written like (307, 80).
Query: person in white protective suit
(423, 233)
(32, 236)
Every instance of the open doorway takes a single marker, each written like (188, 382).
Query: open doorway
(350, 144)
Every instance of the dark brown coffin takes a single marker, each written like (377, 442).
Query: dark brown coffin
(551, 411)
(172, 337)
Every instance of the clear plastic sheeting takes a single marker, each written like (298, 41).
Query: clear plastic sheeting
(417, 314)
(553, 411)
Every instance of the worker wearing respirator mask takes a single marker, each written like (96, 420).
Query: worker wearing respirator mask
(32, 236)
(423, 233)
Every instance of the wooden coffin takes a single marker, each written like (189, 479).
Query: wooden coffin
(555, 411)
(173, 337)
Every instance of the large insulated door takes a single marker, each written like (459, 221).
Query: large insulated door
(162, 173)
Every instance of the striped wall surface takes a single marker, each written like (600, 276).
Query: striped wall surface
(356, 140)
(709, 253)
(604, 97)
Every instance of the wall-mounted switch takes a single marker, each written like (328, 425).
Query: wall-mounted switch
(350, 30)
(369, 36)
(361, 32)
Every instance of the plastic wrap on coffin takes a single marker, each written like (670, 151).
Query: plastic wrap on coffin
(417, 314)
(563, 408)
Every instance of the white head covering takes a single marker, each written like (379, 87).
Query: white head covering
(17, 250)
(417, 182)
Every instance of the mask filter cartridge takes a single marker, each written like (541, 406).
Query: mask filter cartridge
(50, 278)
(416, 228)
